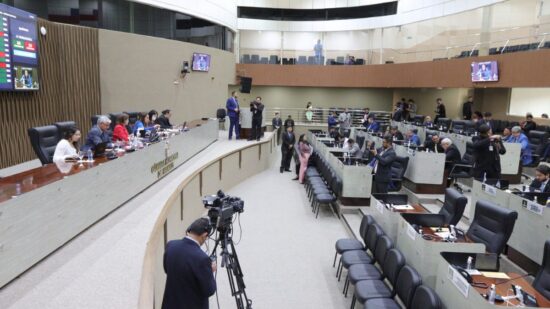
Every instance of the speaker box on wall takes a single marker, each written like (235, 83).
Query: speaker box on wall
(246, 84)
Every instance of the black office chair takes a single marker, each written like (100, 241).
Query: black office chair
(424, 298)
(358, 256)
(419, 119)
(44, 140)
(114, 117)
(375, 294)
(542, 280)
(358, 272)
(346, 244)
(449, 214)
(458, 126)
(492, 226)
(445, 123)
(221, 114)
(62, 127)
(94, 119)
(398, 169)
(537, 143)
(464, 169)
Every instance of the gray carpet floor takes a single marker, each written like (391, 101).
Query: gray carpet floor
(285, 253)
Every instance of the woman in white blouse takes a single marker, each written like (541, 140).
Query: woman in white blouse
(67, 148)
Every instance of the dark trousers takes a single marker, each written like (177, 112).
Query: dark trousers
(287, 157)
(489, 173)
(234, 125)
(279, 136)
(256, 128)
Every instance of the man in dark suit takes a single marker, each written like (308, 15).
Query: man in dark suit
(277, 123)
(433, 144)
(440, 111)
(397, 136)
(232, 105)
(287, 148)
(487, 150)
(383, 159)
(452, 154)
(189, 270)
(541, 183)
(289, 122)
(164, 120)
(467, 109)
(256, 108)
(488, 120)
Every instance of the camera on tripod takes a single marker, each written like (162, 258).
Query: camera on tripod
(221, 208)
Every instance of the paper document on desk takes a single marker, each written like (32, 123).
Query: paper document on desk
(402, 207)
(443, 235)
(491, 274)
(473, 272)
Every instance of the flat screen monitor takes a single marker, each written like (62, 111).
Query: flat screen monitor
(201, 62)
(18, 50)
(486, 71)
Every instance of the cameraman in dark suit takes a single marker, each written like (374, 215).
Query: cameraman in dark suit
(287, 148)
(189, 270)
(256, 108)
(383, 159)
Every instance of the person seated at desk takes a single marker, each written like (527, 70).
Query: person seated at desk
(352, 148)
(164, 119)
(520, 138)
(67, 147)
(541, 182)
(428, 122)
(153, 115)
(98, 134)
(120, 133)
(528, 124)
(372, 125)
(397, 136)
(383, 160)
(143, 123)
(433, 144)
(412, 138)
(452, 154)
(333, 133)
(506, 134)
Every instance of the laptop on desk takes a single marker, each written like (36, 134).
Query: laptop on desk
(99, 150)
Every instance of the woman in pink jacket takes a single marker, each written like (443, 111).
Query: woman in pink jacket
(304, 149)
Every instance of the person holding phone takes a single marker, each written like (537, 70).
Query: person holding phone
(67, 147)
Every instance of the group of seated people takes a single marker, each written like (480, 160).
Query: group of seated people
(68, 148)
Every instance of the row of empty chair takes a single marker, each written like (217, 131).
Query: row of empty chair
(504, 50)
(322, 184)
(301, 60)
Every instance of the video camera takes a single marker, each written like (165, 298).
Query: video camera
(221, 208)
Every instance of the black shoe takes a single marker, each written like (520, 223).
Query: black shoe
(281, 170)
(295, 178)
(287, 170)
(257, 140)
(250, 139)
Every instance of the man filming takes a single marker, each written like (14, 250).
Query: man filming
(256, 108)
(189, 270)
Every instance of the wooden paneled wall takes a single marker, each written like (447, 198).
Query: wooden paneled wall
(69, 90)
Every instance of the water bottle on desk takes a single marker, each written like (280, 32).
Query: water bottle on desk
(491, 295)
(90, 155)
(469, 263)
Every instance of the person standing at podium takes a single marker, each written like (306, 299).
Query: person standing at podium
(383, 159)
(487, 151)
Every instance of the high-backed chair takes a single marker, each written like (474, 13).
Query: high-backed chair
(94, 119)
(221, 114)
(453, 206)
(62, 127)
(419, 119)
(537, 143)
(398, 169)
(458, 126)
(424, 298)
(445, 123)
(464, 169)
(44, 140)
(273, 59)
(542, 280)
(346, 244)
(255, 59)
(492, 226)
(302, 60)
(246, 58)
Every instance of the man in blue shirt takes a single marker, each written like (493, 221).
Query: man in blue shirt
(331, 120)
(372, 125)
(412, 138)
(318, 48)
(518, 137)
(98, 134)
(232, 106)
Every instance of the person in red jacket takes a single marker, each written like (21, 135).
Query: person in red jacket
(120, 133)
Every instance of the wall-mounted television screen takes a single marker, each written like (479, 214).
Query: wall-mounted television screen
(486, 71)
(18, 50)
(201, 62)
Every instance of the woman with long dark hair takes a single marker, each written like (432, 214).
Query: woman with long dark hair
(67, 147)
(304, 150)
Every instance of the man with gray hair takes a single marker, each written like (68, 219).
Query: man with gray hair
(520, 138)
(98, 134)
(452, 154)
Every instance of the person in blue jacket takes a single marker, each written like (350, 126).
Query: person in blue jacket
(332, 122)
(232, 106)
(412, 138)
(518, 137)
(372, 125)
(189, 271)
